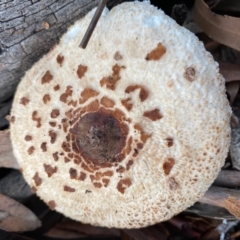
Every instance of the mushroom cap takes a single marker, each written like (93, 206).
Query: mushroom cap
(127, 132)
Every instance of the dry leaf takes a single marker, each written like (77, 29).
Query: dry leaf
(58, 233)
(14, 217)
(231, 72)
(7, 159)
(235, 144)
(185, 226)
(232, 90)
(149, 233)
(124, 236)
(234, 122)
(45, 25)
(233, 206)
(223, 29)
(73, 228)
(227, 7)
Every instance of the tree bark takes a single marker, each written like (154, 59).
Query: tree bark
(24, 36)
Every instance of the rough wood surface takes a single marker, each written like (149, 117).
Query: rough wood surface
(7, 159)
(24, 36)
(223, 197)
(14, 186)
(228, 178)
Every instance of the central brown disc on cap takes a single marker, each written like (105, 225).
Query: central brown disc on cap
(99, 137)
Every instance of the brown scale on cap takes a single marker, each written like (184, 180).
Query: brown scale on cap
(66, 147)
(169, 142)
(153, 115)
(55, 156)
(140, 146)
(47, 78)
(123, 184)
(36, 119)
(31, 150)
(120, 169)
(168, 165)
(60, 59)
(56, 88)
(105, 182)
(143, 94)
(127, 103)
(53, 136)
(128, 148)
(73, 173)
(24, 101)
(55, 113)
(144, 136)
(37, 179)
(91, 107)
(156, 53)
(97, 185)
(65, 124)
(111, 81)
(81, 70)
(68, 189)
(107, 103)
(44, 146)
(86, 167)
(49, 169)
(86, 94)
(52, 204)
(129, 164)
(77, 160)
(135, 153)
(52, 124)
(82, 176)
(70, 155)
(46, 98)
(66, 160)
(99, 176)
(69, 114)
(68, 93)
(117, 56)
(190, 74)
(72, 103)
(28, 138)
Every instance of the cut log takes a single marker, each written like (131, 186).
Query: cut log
(28, 29)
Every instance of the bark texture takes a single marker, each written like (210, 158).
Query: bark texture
(24, 37)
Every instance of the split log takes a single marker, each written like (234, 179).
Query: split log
(223, 197)
(28, 29)
(228, 178)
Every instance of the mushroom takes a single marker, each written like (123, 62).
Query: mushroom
(127, 132)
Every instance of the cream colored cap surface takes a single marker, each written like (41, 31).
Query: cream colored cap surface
(128, 132)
